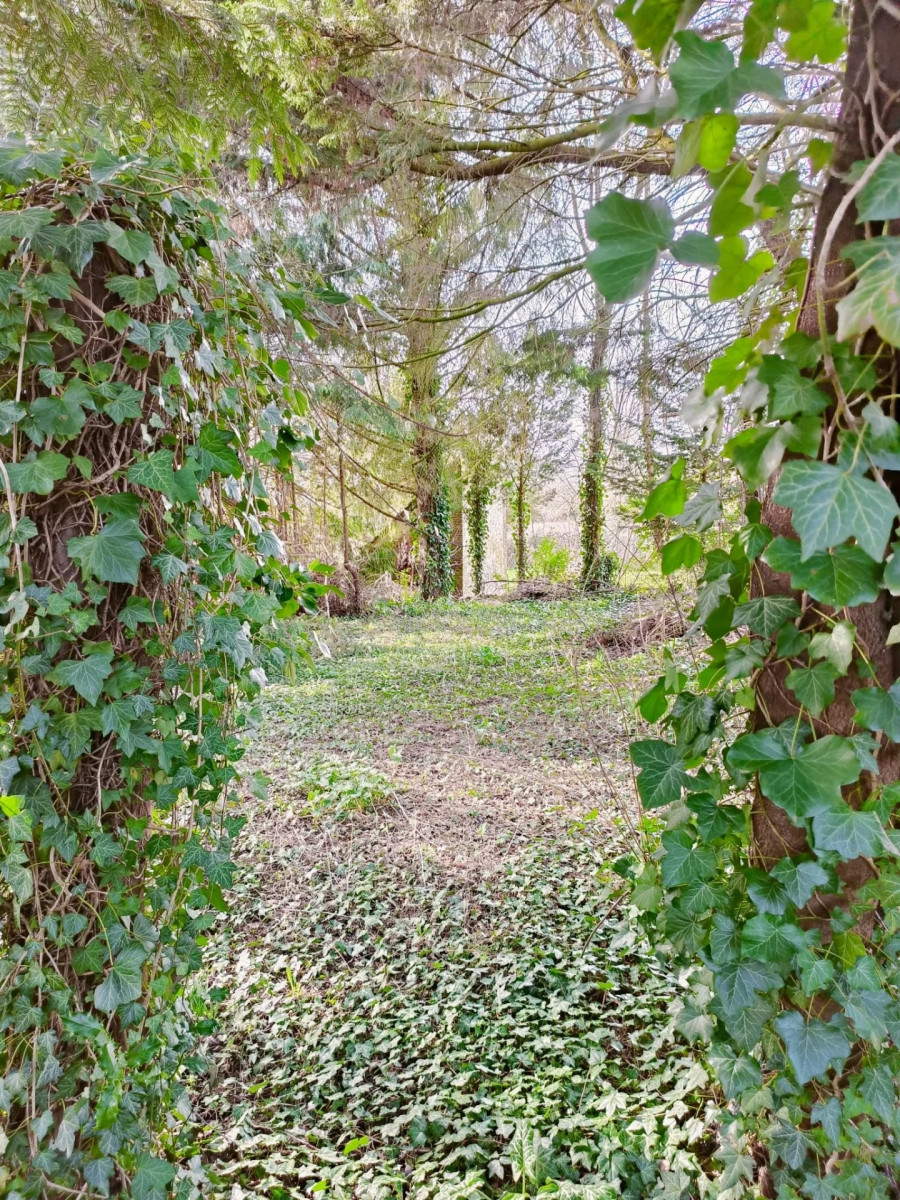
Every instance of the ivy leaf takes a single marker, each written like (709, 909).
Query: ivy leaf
(799, 879)
(37, 474)
(813, 686)
(737, 273)
(696, 249)
(879, 199)
(155, 472)
(738, 983)
(767, 892)
(813, 1046)
(735, 1072)
(822, 36)
(790, 393)
(811, 778)
(685, 861)
(629, 234)
(123, 982)
(653, 24)
(849, 833)
(703, 509)
(879, 710)
(24, 222)
(114, 554)
(831, 505)
(152, 1179)
(769, 939)
(875, 300)
(97, 1173)
(135, 292)
(170, 566)
(766, 614)
(85, 675)
(705, 77)
(213, 452)
(684, 551)
(662, 774)
(133, 245)
(14, 869)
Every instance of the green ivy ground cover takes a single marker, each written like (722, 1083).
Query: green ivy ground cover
(439, 995)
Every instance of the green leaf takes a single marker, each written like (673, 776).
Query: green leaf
(213, 452)
(685, 861)
(717, 139)
(14, 870)
(770, 939)
(684, 551)
(696, 249)
(812, 778)
(799, 879)
(654, 702)
(874, 299)
(813, 686)
(155, 472)
(114, 554)
(879, 710)
(823, 36)
(766, 614)
(705, 77)
(133, 245)
(152, 1179)
(790, 393)
(844, 576)
(879, 199)
(123, 982)
(813, 1046)
(737, 983)
(135, 292)
(662, 774)
(629, 234)
(85, 675)
(37, 474)
(737, 273)
(666, 500)
(170, 566)
(849, 833)
(24, 222)
(735, 1072)
(703, 509)
(831, 505)
(652, 22)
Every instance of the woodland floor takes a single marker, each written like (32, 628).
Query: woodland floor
(430, 979)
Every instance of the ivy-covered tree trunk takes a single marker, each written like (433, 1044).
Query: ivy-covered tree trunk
(433, 516)
(521, 514)
(870, 114)
(140, 578)
(592, 471)
(478, 502)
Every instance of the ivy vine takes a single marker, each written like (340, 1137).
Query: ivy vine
(479, 495)
(775, 877)
(142, 409)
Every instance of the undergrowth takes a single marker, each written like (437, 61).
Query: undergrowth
(396, 1042)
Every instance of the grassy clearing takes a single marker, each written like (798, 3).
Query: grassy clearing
(431, 989)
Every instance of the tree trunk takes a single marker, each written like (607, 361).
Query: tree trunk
(870, 114)
(645, 372)
(592, 475)
(521, 549)
(433, 516)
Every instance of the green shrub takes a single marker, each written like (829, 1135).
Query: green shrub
(551, 561)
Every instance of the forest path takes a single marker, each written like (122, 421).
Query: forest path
(426, 945)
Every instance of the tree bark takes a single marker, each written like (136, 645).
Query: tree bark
(592, 475)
